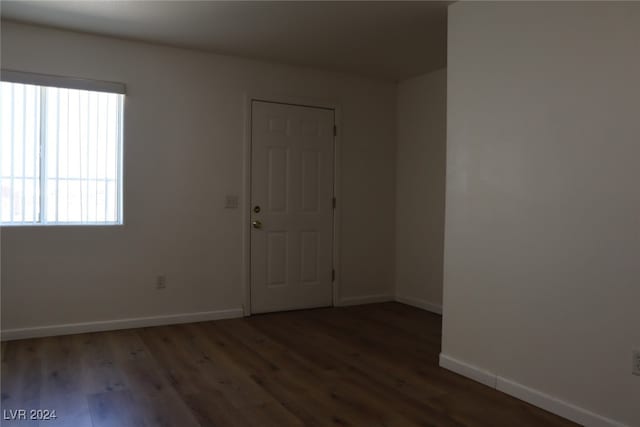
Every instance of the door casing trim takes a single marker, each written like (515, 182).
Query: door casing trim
(246, 186)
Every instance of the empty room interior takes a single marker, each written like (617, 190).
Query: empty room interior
(319, 213)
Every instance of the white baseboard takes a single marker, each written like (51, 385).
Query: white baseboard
(469, 371)
(420, 303)
(367, 299)
(537, 398)
(110, 325)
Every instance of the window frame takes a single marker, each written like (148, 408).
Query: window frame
(42, 81)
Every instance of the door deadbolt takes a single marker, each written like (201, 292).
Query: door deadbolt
(256, 209)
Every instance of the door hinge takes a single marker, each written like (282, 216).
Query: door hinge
(333, 275)
(335, 130)
(334, 203)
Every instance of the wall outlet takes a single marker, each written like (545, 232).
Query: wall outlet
(635, 362)
(161, 282)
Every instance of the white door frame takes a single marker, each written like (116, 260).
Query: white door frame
(246, 190)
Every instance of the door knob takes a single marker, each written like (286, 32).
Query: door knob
(256, 224)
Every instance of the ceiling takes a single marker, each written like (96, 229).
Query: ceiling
(386, 39)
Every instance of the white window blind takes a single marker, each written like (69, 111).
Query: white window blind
(60, 155)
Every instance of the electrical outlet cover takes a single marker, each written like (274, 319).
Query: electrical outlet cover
(161, 282)
(636, 362)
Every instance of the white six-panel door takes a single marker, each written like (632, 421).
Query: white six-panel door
(292, 159)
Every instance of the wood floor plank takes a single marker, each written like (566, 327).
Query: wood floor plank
(284, 376)
(411, 369)
(428, 331)
(21, 380)
(94, 358)
(64, 381)
(260, 403)
(372, 365)
(334, 385)
(206, 390)
(157, 401)
(375, 374)
(115, 409)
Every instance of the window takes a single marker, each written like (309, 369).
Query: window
(60, 151)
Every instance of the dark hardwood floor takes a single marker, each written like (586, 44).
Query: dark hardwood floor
(373, 365)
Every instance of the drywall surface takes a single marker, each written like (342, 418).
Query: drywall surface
(183, 152)
(542, 236)
(420, 189)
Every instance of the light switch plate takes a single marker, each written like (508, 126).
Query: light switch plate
(231, 201)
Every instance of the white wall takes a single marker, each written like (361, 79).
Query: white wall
(420, 189)
(542, 240)
(184, 126)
